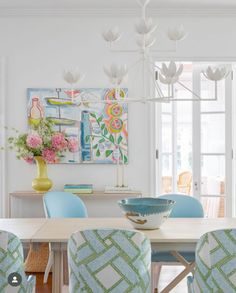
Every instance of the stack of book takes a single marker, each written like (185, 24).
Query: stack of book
(79, 188)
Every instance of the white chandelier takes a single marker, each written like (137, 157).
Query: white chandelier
(162, 76)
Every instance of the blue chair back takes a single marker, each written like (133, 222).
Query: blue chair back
(185, 206)
(59, 204)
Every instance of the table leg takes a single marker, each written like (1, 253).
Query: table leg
(178, 279)
(57, 276)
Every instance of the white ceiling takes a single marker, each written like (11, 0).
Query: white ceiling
(117, 4)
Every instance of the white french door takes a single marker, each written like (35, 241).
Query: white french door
(194, 144)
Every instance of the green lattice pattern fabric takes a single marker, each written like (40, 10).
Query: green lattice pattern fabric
(11, 261)
(109, 260)
(215, 263)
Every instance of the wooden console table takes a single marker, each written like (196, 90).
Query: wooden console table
(25, 204)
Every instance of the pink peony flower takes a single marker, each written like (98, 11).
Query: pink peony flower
(34, 141)
(49, 155)
(29, 159)
(73, 144)
(59, 142)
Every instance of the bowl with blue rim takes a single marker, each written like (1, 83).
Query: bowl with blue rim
(146, 212)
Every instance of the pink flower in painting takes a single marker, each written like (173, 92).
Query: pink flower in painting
(29, 159)
(73, 144)
(49, 155)
(34, 141)
(59, 142)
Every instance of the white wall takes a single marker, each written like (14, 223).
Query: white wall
(38, 49)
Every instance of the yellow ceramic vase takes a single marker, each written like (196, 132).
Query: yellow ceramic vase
(41, 183)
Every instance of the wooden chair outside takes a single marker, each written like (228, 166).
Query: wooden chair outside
(184, 182)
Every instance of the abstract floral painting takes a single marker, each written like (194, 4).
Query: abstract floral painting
(101, 128)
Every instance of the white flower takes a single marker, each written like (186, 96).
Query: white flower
(116, 73)
(170, 74)
(177, 33)
(145, 41)
(145, 26)
(72, 76)
(111, 35)
(216, 74)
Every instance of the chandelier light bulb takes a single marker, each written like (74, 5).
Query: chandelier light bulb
(216, 74)
(170, 74)
(176, 33)
(111, 35)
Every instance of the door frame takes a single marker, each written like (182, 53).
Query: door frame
(155, 169)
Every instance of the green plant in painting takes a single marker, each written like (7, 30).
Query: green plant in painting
(110, 131)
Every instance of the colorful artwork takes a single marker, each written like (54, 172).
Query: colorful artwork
(101, 128)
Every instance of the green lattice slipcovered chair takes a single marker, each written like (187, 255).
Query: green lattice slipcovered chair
(215, 263)
(12, 261)
(108, 260)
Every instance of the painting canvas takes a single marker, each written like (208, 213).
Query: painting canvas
(101, 128)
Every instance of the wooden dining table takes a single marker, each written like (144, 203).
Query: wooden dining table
(174, 235)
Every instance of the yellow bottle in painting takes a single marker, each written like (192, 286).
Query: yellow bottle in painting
(41, 183)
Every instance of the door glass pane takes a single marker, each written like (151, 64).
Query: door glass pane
(166, 173)
(213, 183)
(166, 133)
(184, 147)
(213, 133)
(214, 207)
(208, 92)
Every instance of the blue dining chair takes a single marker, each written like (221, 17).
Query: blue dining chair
(60, 204)
(215, 263)
(11, 262)
(109, 260)
(185, 206)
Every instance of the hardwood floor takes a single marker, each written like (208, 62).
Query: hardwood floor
(40, 286)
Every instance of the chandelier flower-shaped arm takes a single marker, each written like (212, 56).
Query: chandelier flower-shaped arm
(143, 3)
(177, 33)
(216, 74)
(145, 41)
(116, 74)
(145, 26)
(72, 76)
(170, 74)
(111, 35)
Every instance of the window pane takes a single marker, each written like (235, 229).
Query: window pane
(213, 133)
(166, 173)
(213, 175)
(184, 136)
(166, 133)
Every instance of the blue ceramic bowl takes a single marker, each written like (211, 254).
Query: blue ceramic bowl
(146, 212)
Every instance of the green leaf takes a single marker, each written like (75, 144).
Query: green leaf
(100, 119)
(93, 115)
(105, 131)
(101, 140)
(108, 153)
(103, 126)
(119, 139)
(98, 153)
(111, 138)
(87, 138)
(125, 159)
(95, 146)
